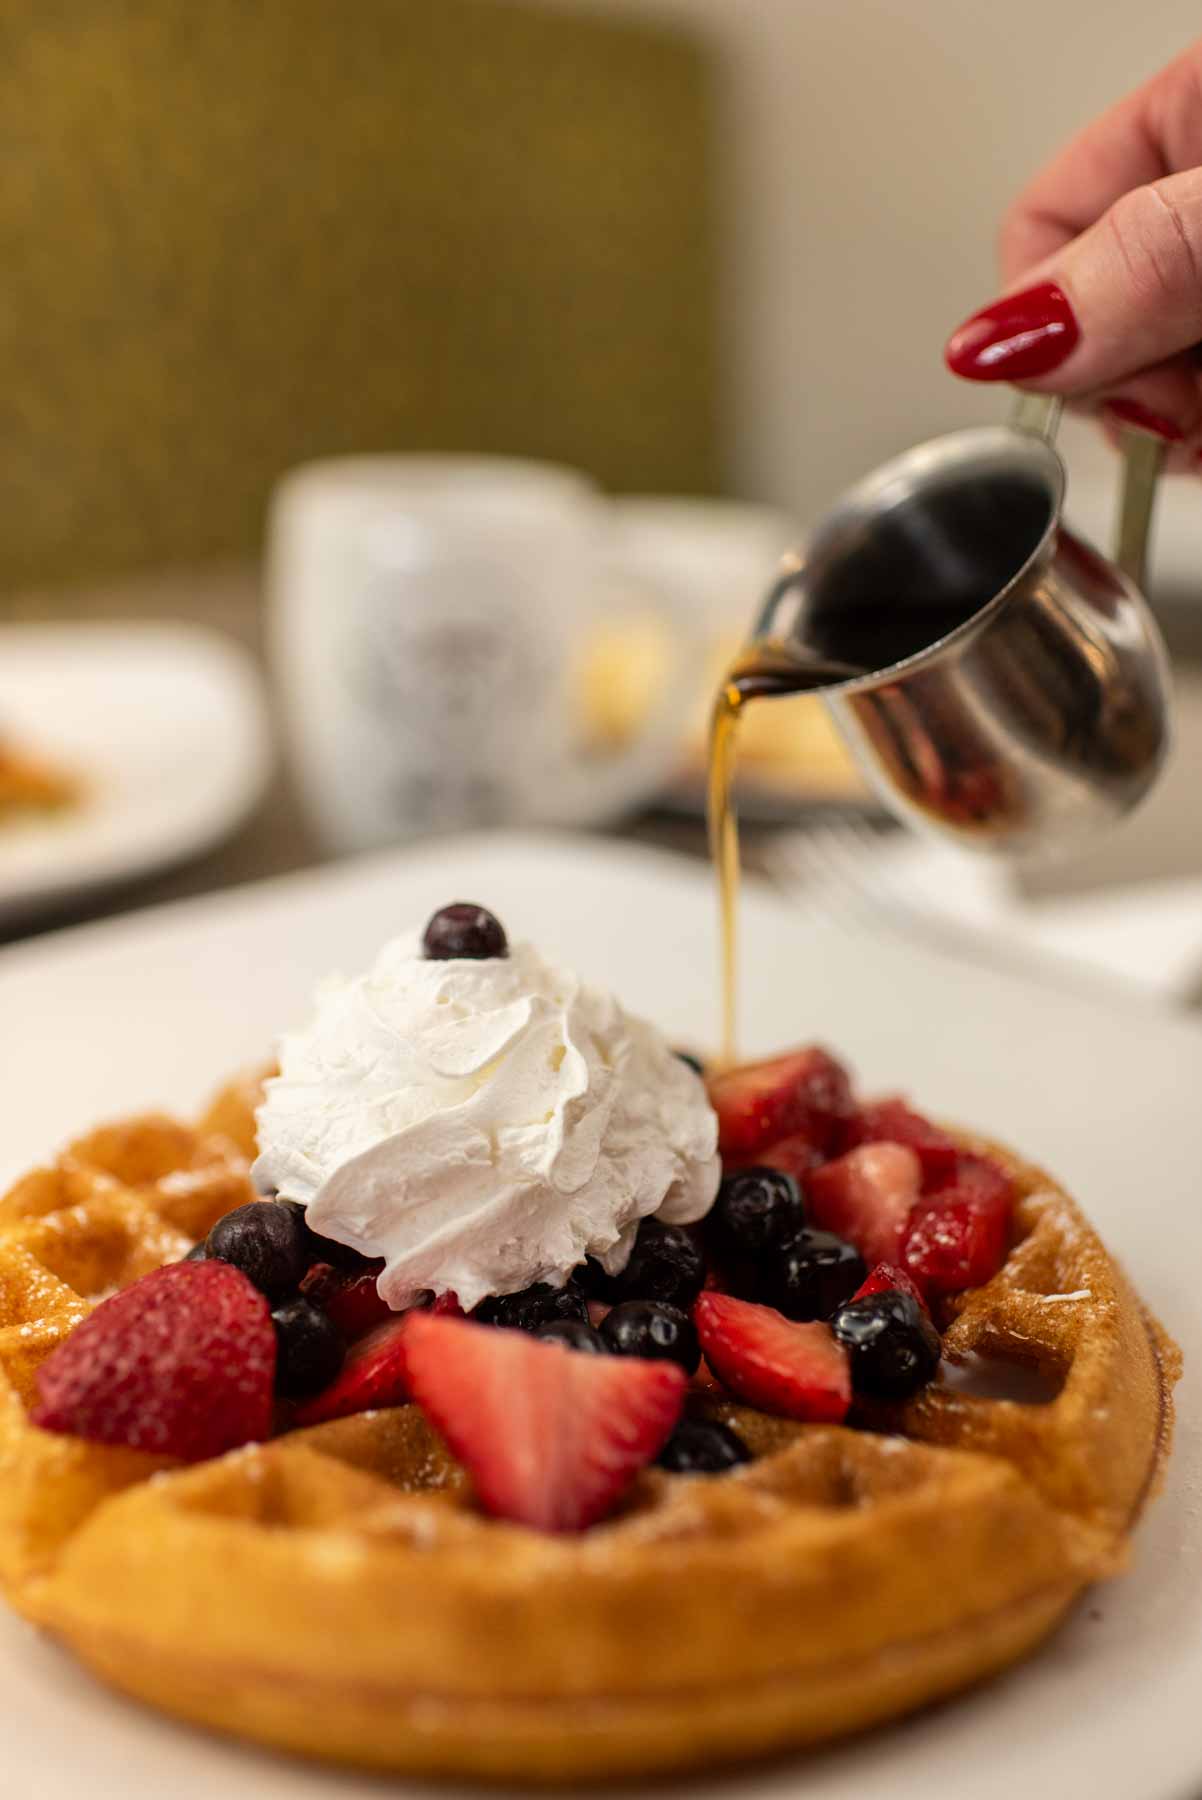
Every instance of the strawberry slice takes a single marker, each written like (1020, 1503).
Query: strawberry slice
(448, 1304)
(866, 1197)
(893, 1121)
(978, 1177)
(806, 1092)
(769, 1361)
(795, 1156)
(888, 1278)
(955, 1241)
(181, 1363)
(550, 1437)
(352, 1302)
(372, 1375)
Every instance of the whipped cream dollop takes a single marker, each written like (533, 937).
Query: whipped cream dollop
(482, 1125)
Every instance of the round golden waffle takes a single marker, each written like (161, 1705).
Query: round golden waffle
(334, 1592)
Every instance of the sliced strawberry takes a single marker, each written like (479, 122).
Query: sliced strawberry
(795, 1156)
(352, 1302)
(806, 1092)
(181, 1363)
(888, 1278)
(866, 1196)
(372, 1375)
(448, 1304)
(796, 1370)
(978, 1176)
(550, 1437)
(955, 1241)
(893, 1121)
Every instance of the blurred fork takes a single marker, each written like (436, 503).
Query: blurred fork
(836, 867)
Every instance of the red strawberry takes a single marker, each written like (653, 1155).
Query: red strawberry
(976, 1176)
(955, 1241)
(888, 1278)
(448, 1304)
(795, 1156)
(892, 1121)
(181, 1363)
(356, 1307)
(372, 1375)
(805, 1092)
(796, 1370)
(550, 1437)
(866, 1197)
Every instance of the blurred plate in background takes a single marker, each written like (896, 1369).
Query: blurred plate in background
(161, 729)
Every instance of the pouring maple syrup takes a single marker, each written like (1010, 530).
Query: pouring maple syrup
(765, 669)
(879, 636)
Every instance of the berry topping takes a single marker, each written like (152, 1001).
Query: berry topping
(892, 1121)
(268, 1241)
(771, 1362)
(757, 1208)
(887, 1278)
(652, 1329)
(955, 1241)
(794, 1156)
(893, 1346)
(866, 1197)
(352, 1302)
(694, 1062)
(806, 1092)
(703, 1447)
(309, 1349)
(976, 1178)
(665, 1264)
(372, 1375)
(197, 1253)
(550, 1440)
(181, 1363)
(573, 1336)
(532, 1307)
(813, 1275)
(466, 931)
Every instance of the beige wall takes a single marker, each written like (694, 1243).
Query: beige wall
(868, 148)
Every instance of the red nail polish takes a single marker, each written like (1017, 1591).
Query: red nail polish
(1130, 412)
(1018, 338)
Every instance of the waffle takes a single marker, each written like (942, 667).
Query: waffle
(334, 1592)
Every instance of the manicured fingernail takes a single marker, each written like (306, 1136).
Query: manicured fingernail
(1018, 338)
(1130, 412)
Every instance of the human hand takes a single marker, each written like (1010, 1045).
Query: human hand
(1102, 257)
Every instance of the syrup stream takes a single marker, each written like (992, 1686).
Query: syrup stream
(763, 670)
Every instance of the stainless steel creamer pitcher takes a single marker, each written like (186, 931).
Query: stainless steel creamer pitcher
(1016, 690)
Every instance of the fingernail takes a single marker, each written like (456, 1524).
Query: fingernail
(1130, 412)
(1018, 338)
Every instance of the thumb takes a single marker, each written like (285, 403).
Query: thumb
(1123, 296)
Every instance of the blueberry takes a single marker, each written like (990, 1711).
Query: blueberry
(652, 1329)
(198, 1253)
(702, 1447)
(694, 1062)
(573, 1334)
(533, 1306)
(268, 1241)
(592, 1280)
(464, 930)
(665, 1264)
(810, 1277)
(309, 1349)
(893, 1346)
(757, 1209)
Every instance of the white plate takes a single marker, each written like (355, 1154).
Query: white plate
(166, 726)
(157, 1009)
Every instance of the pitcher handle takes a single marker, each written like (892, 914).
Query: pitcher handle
(1143, 458)
(1038, 414)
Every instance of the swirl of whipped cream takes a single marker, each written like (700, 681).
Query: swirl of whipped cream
(482, 1125)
